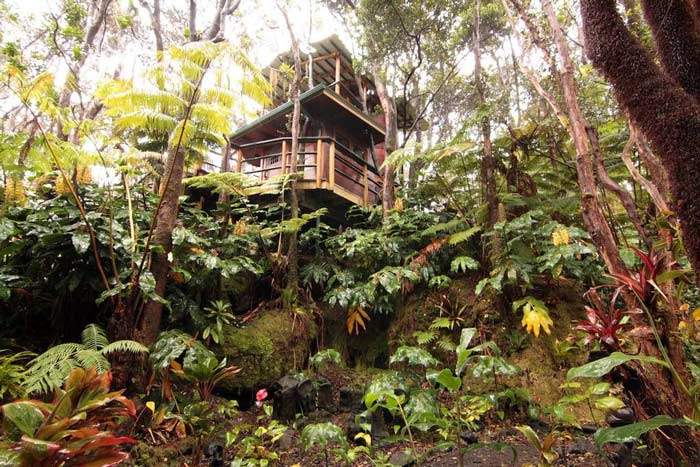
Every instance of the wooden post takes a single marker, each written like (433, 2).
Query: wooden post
(365, 170)
(239, 161)
(331, 166)
(319, 157)
(337, 73)
(283, 158)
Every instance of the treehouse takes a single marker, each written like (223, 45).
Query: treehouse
(340, 145)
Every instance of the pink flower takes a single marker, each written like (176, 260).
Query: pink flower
(260, 396)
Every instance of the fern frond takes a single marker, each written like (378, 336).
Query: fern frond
(425, 337)
(94, 337)
(89, 358)
(446, 345)
(125, 346)
(49, 370)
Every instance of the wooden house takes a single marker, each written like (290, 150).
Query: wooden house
(340, 145)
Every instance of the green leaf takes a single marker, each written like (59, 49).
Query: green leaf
(448, 380)
(601, 367)
(609, 403)
(23, 415)
(81, 242)
(464, 235)
(464, 263)
(634, 431)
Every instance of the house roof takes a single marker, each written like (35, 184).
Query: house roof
(323, 69)
(319, 102)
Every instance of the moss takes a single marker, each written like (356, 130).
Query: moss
(267, 348)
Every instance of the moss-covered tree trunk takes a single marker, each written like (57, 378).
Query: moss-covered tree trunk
(663, 105)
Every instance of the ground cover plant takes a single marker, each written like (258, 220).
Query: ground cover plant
(442, 233)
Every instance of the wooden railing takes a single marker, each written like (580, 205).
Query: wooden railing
(324, 162)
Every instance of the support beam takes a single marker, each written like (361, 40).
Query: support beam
(239, 161)
(283, 158)
(319, 158)
(331, 166)
(365, 171)
(337, 73)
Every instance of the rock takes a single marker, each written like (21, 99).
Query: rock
(324, 395)
(353, 430)
(594, 355)
(286, 442)
(469, 437)
(620, 417)
(266, 349)
(379, 428)
(350, 399)
(582, 446)
(215, 452)
(290, 396)
(402, 459)
(589, 429)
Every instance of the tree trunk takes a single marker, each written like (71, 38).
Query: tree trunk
(488, 163)
(149, 324)
(292, 252)
(390, 140)
(669, 117)
(666, 114)
(593, 216)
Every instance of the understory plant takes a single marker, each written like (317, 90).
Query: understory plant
(51, 369)
(183, 355)
(75, 429)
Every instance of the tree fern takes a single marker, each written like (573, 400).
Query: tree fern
(94, 337)
(50, 370)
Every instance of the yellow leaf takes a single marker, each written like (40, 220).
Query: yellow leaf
(356, 319)
(151, 406)
(696, 314)
(365, 436)
(682, 325)
(536, 318)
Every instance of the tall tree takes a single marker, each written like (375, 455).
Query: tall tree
(662, 102)
(293, 244)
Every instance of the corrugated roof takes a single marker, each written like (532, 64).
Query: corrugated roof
(323, 70)
(365, 120)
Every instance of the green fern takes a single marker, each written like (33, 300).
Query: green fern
(50, 370)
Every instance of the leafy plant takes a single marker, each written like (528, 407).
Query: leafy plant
(413, 356)
(199, 364)
(602, 325)
(323, 435)
(73, 429)
(643, 281)
(12, 374)
(50, 370)
(325, 357)
(356, 319)
(218, 315)
(535, 315)
(543, 446)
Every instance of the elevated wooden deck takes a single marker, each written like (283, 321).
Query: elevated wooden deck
(326, 165)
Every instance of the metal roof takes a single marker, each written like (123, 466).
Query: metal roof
(323, 70)
(342, 104)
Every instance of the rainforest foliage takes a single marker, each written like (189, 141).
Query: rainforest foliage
(526, 283)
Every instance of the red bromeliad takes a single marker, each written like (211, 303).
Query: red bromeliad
(643, 281)
(602, 324)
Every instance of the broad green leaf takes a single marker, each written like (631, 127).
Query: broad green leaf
(601, 367)
(81, 242)
(634, 431)
(609, 403)
(23, 415)
(448, 380)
